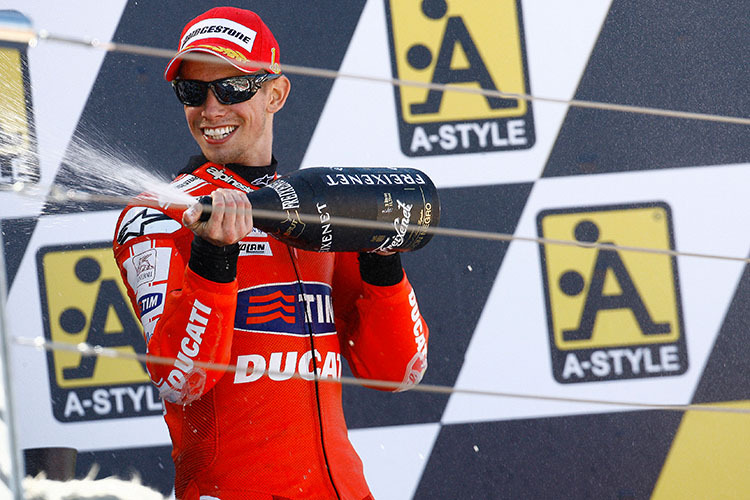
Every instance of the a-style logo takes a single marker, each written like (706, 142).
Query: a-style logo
(19, 161)
(612, 313)
(83, 300)
(286, 308)
(470, 45)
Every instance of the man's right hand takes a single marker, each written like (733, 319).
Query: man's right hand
(231, 218)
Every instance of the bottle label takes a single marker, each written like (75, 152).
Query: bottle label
(424, 221)
(287, 194)
(373, 179)
(401, 226)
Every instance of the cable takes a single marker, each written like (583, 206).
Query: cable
(85, 349)
(59, 195)
(332, 74)
(311, 335)
(72, 195)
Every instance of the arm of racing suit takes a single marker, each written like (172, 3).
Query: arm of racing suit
(184, 290)
(382, 333)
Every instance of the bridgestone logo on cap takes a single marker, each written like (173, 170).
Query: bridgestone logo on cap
(220, 28)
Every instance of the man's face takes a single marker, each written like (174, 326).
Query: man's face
(229, 133)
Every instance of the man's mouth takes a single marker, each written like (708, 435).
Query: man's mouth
(218, 133)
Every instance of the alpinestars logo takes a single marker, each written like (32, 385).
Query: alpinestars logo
(470, 45)
(612, 314)
(140, 221)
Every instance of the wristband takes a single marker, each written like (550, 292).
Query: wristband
(213, 262)
(381, 270)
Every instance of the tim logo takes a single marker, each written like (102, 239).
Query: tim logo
(612, 314)
(19, 160)
(149, 302)
(83, 300)
(470, 45)
(286, 308)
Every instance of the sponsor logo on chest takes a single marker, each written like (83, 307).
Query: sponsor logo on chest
(219, 174)
(295, 309)
(280, 366)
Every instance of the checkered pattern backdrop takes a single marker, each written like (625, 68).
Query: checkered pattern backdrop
(504, 317)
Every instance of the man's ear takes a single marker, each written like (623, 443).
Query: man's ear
(279, 91)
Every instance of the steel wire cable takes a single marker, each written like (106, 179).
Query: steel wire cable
(74, 195)
(32, 38)
(85, 349)
(59, 195)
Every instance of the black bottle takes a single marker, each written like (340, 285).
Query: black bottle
(313, 209)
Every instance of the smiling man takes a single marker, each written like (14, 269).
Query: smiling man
(221, 291)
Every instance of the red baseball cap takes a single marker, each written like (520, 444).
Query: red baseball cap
(238, 36)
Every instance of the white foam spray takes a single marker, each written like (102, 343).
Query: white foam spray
(93, 168)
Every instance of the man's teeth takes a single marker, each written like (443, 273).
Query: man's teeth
(218, 133)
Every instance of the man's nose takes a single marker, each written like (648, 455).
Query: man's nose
(212, 106)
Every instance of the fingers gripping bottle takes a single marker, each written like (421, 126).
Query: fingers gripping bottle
(348, 209)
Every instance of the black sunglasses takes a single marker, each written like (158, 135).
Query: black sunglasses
(230, 90)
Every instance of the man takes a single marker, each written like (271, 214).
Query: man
(222, 292)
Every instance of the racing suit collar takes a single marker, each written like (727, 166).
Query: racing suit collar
(253, 175)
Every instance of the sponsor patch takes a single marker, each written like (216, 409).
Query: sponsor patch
(139, 221)
(145, 267)
(187, 183)
(220, 28)
(83, 300)
(286, 308)
(612, 314)
(255, 248)
(282, 366)
(19, 161)
(149, 302)
(470, 45)
(220, 174)
(264, 180)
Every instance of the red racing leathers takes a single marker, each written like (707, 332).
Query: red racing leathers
(265, 429)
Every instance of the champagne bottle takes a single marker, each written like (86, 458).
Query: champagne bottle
(312, 209)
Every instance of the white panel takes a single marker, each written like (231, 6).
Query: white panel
(36, 425)
(358, 126)
(4, 450)
(61, 76)
(510, 350)
(394, 457)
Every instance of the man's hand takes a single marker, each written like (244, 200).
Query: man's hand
(231, 218)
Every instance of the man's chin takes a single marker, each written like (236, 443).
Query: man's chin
(214, 155)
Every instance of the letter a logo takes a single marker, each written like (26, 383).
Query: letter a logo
(84, 300)
(612, 314)
(469, 45)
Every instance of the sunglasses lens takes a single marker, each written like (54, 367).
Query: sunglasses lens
(191, 92)
(234, 90)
